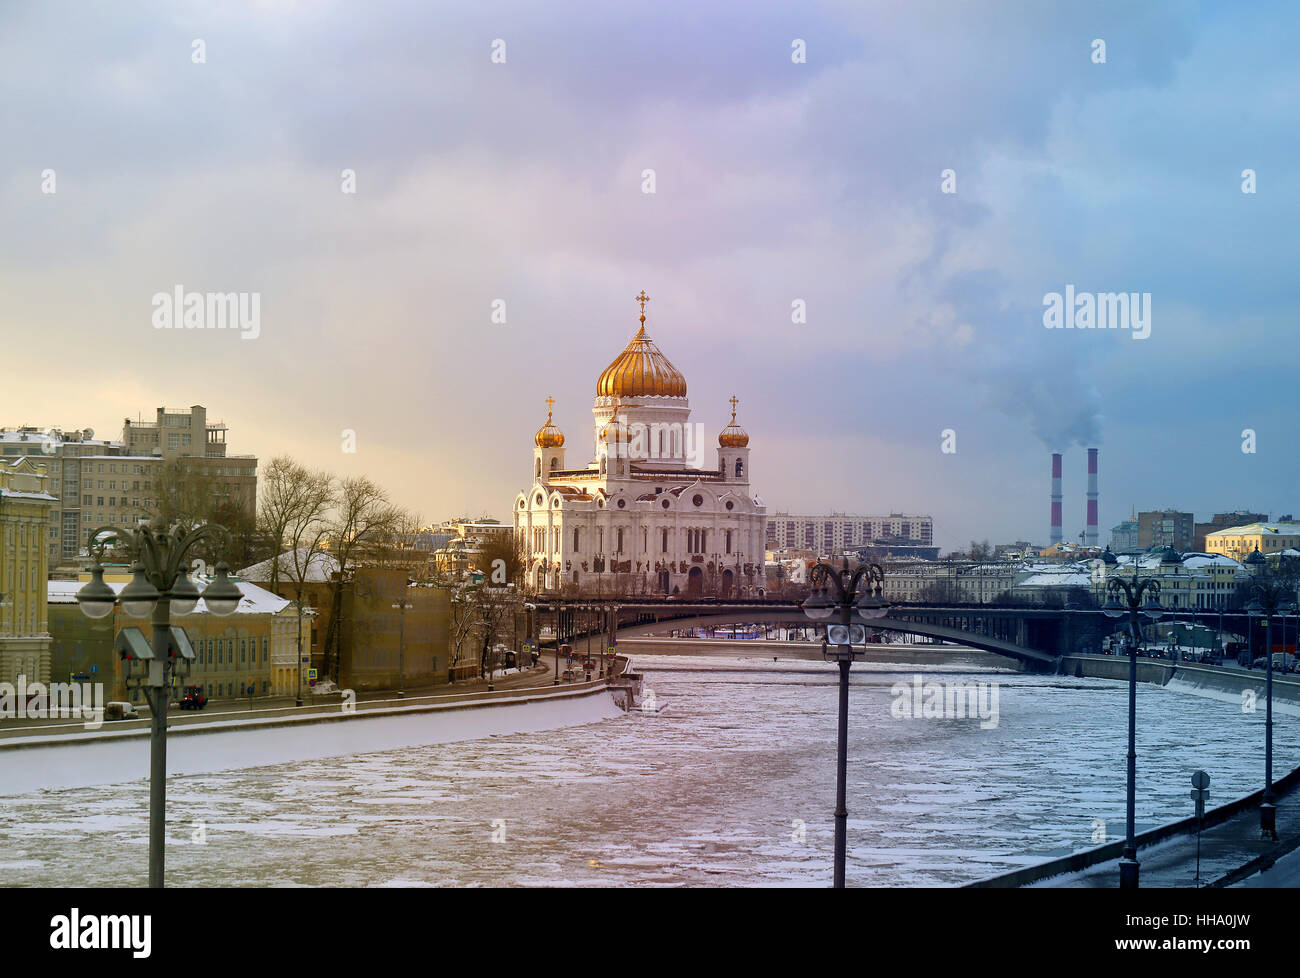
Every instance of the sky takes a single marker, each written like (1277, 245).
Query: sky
(499, 156)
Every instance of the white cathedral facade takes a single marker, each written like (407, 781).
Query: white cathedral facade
(643, 516)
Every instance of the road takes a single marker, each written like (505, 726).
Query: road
(268, 707)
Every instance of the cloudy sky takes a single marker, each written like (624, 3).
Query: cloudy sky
(521, 181)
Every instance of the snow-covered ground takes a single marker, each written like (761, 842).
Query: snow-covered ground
(734, 784)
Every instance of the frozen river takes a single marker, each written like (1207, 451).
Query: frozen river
(732, 785)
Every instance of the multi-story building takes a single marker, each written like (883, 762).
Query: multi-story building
(1224, 521)
(96, 482)
(71, 458)
(838, 532)
(962, 581)
(197, 447)
(1240, 541)
(1201, 581)
(372, 639)
(1124, 536)
(24, 565)
(1165, 528)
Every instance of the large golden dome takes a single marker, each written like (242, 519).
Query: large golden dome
(549, 436)
(641, 370)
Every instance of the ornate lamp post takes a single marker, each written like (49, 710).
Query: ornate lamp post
(820, 606)
(1135, 608)
(159, 588)
(1267, 600)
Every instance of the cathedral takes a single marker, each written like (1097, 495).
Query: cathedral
(643, 516)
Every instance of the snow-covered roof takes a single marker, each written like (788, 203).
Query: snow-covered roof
(320, 568)
(256, 600)
(1059, 579)
(1260, 529)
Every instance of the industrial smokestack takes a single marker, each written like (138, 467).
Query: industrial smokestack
(1092, 498)
(1056, 497)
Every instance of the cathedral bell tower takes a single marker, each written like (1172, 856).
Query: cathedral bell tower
(548, 456)
(733, 450)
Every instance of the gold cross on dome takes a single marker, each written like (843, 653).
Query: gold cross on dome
(643, 299)
(734, 401)
(550, 403)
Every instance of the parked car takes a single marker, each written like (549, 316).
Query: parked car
(118, 710)
(192, 698)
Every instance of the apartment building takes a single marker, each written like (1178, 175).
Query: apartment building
(837, 532)
(96, 482)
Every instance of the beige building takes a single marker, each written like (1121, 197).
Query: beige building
(25, 505)
(1239, 542)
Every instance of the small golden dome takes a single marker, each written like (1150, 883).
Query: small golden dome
(733, 435)
(549, 436)
(641, 370)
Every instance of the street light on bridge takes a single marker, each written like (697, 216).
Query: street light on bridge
(820, 606)
(1135, 608)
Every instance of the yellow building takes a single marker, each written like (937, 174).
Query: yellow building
(1239, 542)
(25, 642)
(252, 652)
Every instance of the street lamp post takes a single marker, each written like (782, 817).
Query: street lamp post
(160, 586)
(1268, 600)
(556, 609)
(1134, 607)
(402, 606)
(820, 606)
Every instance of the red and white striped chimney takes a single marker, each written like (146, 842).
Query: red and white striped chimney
(1056, 497)
(1091, 537)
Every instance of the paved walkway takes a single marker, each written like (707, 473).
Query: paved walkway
(1225, 850)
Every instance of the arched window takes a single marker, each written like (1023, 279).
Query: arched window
(740, 468)
(664, 548)
(555, 463)
(538, 472)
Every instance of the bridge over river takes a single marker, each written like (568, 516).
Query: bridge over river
(1033, 636)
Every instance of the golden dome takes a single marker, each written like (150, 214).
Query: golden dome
(733, 435)
(641, 370)
(549, 436)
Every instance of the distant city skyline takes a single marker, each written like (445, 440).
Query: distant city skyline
(783, 190)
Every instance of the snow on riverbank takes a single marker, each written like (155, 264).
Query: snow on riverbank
(109, 762)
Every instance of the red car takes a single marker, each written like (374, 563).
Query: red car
(193, 698)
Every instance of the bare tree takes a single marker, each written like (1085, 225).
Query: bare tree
(303, 533)
(295, 501)
(463, 621)
(364, 525)
(503, 559)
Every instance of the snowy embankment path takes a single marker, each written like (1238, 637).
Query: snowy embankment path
(210, 748)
